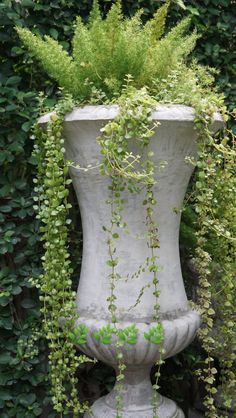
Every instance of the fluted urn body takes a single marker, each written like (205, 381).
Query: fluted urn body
(174, 140)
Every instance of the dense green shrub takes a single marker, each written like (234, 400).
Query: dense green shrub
(23, 384)
(105, 50)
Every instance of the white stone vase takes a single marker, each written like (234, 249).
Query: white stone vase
(174, 140)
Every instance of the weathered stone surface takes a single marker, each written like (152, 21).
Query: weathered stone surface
(178, 332)
(166, 409)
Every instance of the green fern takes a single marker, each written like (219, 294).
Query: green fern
(105, 51)
(156, 26)
(53, 57)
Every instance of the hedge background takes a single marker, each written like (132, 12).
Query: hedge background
(24, 389)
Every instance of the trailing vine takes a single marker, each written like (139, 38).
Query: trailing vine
(126, 171)
(58, 301)
(116, 206)
(129, 171)
(214, 259)
(156, 333)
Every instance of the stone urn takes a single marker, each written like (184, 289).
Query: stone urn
(174, 140)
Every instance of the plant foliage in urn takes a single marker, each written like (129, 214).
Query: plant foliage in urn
(106, 51)
(130, 185)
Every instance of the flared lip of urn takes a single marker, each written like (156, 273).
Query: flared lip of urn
(163, 112)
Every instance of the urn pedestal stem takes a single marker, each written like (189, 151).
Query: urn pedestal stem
(137, 398)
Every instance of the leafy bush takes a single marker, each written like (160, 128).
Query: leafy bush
(106, 51)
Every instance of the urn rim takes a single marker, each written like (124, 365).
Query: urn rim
(162, 112)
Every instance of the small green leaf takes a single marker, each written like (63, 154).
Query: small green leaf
(180, 4)
(5, 395)
(54, 33)
(27, 399)
(28, 303)
(13, 80)
(5, 358)
(26, 126)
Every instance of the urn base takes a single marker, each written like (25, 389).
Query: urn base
(166, 409)
(137, 392)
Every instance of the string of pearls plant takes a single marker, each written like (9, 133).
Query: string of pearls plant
(215, 261)
(58, 301)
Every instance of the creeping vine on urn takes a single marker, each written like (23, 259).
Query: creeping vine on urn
(129, 171)
(58, 303)
(215, 260)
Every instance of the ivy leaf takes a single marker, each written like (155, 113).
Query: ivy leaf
(5, 395)
(26, 126)
(28, 303)
(6, 323)
(27, 399)
(5, 358)
(13, 80)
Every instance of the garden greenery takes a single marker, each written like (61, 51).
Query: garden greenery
(121, 60)
(55, 282)
(106, 51)
(215, 262)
